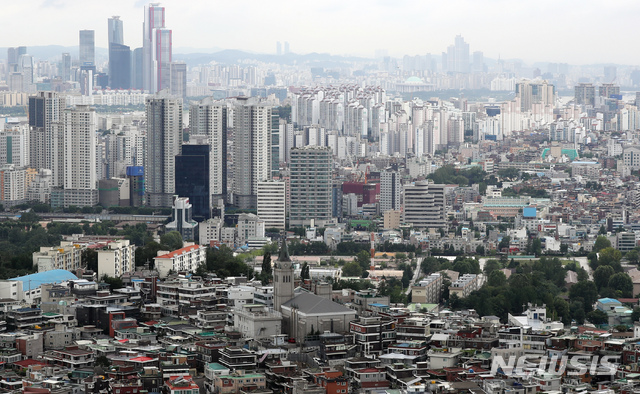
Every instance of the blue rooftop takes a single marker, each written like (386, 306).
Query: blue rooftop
(608, 301)
(379, 305)
(33, 281)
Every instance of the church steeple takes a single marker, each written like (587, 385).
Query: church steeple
(283, 279)
(283, 255)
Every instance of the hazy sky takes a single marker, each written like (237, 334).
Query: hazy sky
(572, 31)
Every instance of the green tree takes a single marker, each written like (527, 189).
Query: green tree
(491, 265)
(622, 284)
(114, 283)
(89, 259)
(172, 239)
(597, 317)
(352, 269)
(103, 361)
(497, 278)
(562, 311)
(632, 256)
(586, 292)
(601, 243)
(304, 272)
(363, 258)
(504, 243)
(266, 264)
(601, 276)
(610, 256)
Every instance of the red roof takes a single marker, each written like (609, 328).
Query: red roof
(141, 359)
(178, 252)
(367, 370)
(26, 363)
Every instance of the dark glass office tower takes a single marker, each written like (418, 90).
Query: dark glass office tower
(192, 178)
(119, 66)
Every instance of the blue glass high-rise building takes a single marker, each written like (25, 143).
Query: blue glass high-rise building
(192, 178)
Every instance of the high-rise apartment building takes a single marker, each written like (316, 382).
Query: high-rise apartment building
(46, 147)
(585, 94)
(606, 90)
(311, 185)
(535, 92)
(272, 204)
(164, 139)
(80, 180)
(179, 79)
(157, 48)
(14, 147)
(390, 190)
(209, 118)
(252, 132)
(424, 205)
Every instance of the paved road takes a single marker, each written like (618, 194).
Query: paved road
(416, 274)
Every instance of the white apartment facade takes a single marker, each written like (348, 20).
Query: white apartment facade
(116, 259)
(272, 204)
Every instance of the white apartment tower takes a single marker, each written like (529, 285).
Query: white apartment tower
(251, 149)
(390, 190)
(209, 118)
(46, 144)
(164, 140)
(80, 148)
(272, 202)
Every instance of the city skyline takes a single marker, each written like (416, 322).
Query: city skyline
(515, 28)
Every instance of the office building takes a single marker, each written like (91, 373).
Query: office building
(164, 138)
(457, 57)
(115, 32)
(157, 48)
(87, 48)
(135, 174)
(192, 178)
(65, 67)
(390, 191)
(137, 60)
(179, 79)
(424, 205)
(252, 123)
(87, 55)
(182, 221)
(209, 118)
(46, 148)
(119, 56)
(272, 203)
(311, 185)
